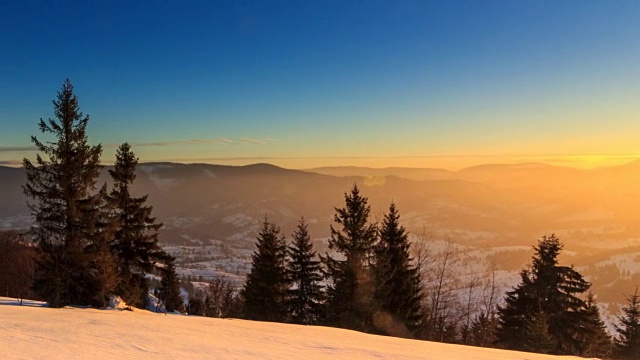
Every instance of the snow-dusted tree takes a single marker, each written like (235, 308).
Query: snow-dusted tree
(265, 290)
(398, 293)
(64, 175)
(135, 243)
(306, 294)
(627, 343)
(350, 293)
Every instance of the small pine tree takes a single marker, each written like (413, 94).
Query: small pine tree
(627, 343)
(265, 290)
(135, 243)
(305, 295)
(57, 185)
(482, 331)
(196, 306)
(169, 293)
(398, 288)
(350, 293)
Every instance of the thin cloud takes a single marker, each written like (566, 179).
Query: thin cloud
(244, 140)
(251, 141)
(17, 148)
(183, 142)
(11, 162)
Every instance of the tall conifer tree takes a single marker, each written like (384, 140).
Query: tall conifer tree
(547, 295)
(135, 243)
(350, 292)
(266, 287)
(305, 295)
(62, 177)
(398, 288)
(627, 343)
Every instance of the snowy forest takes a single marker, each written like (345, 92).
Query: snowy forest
(91, 241)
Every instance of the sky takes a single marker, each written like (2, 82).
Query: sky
(322, 83)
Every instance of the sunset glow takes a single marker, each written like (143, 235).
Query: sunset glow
(376, 84)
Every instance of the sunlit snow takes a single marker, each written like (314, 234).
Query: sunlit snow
(36, 332)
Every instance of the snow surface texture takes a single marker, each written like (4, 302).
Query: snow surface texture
(36, 332)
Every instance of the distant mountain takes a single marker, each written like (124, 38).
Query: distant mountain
(12, 201)
(418, 174)
(498, 204)
(493, 213)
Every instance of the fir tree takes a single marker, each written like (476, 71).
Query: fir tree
(266, 287)
(398, 289)
(351, 289)
(595, 341)
(169, 293)
(305, 295)
(482, 331)
(547, 294)
(100, 231)
(627, 343)
(135, 243)
(57, 184)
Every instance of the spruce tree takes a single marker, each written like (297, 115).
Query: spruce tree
(63, 176)
(398, 288)
(266, 287)
(627, 343)
(305, 274)
(169, 293)
(135, 243)
(548, 293)
(595, 341)
(100, 232)
(350, 293)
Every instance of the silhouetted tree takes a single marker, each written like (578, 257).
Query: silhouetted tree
(350, 293)
(135, 242)
(594, 339)
(196, 306)
(547, 297)
(627, 343)
(100, 230)
(266, 287)
(398, 293)
(56, 185)
(169, 293)
(305, 295)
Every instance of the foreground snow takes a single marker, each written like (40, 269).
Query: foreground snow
(35, 332)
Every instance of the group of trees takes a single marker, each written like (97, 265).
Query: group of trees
(368, 282)
(91, 242)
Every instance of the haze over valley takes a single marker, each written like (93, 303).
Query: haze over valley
(493, 214)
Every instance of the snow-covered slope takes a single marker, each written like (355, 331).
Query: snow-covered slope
(30, 332)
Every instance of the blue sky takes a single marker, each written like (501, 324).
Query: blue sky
(308, 83)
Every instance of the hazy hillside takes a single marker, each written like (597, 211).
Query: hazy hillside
(493, 213)
(29, 332)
